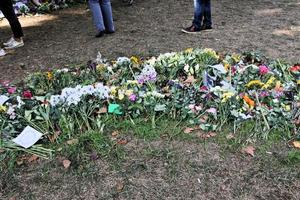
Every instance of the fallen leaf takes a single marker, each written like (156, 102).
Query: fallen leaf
(230, 136)
(122, 141)
(296, 144)
(20, 162)
(2, 150)
(94, 155)
(102, 110)
(13, 198)
(203, 119)
(59, 149)
(33, 158)
(115, 133)
(208, 135)
(297, 121)
(119, 186)
(53, 137)
(190, 79)
(249, 150)
(66, 163)
(73, 141)
(188, 130)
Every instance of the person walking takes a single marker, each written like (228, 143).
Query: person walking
(6, 7)
(102, 16)
(202, 17)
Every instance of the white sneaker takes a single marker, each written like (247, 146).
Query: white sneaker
(8, 42)
(2, 53)
(15, 44)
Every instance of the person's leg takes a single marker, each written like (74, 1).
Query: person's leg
(97, 15)
(198, 14)
(6, 7)
(207, 21)
(107, 15)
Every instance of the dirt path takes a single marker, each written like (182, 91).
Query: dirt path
(153, 27)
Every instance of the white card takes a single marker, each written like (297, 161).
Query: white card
(3, 99)
(28, 137)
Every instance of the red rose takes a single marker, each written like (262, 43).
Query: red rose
(27, 94)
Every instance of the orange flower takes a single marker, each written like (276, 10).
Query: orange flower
(249, 101)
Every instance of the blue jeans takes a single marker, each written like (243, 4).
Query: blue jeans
(102, 14)
(202, 12)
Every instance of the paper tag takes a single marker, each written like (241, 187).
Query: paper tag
(28, 137)
(3, 99)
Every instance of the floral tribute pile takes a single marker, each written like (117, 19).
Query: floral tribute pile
(199, 86)
(33, 6)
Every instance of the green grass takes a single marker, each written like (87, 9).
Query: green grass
(102, 145)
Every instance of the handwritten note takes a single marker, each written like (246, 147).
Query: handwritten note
(3, 99)
(28, 137)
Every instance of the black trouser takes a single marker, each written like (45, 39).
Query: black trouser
(6, 7)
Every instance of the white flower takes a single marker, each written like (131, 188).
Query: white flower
(101, 91)
(73, 99)
(11, 111)
(20, 102)
(55, 100)
(186, 68)
(121, 60)
(89, 89)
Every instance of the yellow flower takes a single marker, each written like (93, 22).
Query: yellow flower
(298, 82)
(135, 60)
(236, 57)
(121, 95)
(255, 83)
(189, 50)
(211, 52)
(133, 82)
(269, 83)
(113, 90)
(128, 92)
(287, 108)
(49, 75)
(227, 66)
(100, 68)
(227, 96)
(3, 108)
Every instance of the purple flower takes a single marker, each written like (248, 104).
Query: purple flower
(264, 94)
(132, 97)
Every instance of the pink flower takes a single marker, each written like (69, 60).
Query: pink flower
(191, 106)
(5, 83)
(11, 90)
(203, 88)
(233, 70)
(212, 111)
(27, 94)
(263, 69)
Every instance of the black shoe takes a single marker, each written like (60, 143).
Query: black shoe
(191, 29)
(109, 32)
(205, 27)
(99, 34)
